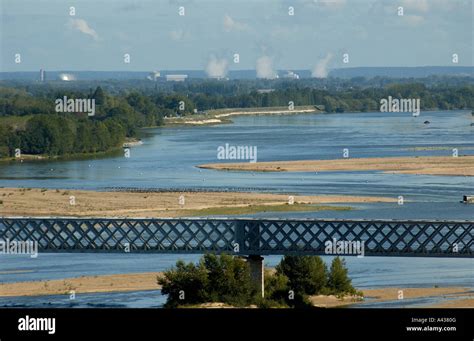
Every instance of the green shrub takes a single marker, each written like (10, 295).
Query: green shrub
(186, 283)
(307, 275)
(215, 279)
(229, 279)
(338, 280)
(276, 289)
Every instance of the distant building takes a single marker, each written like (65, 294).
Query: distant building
(176, 78)
(291, 75)
(265, 91)
(67, 77)
(42, 75)
(219, 78)
(153, 76)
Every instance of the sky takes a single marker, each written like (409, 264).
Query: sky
(267, 35)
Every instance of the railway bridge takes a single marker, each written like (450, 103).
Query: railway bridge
(251, 238)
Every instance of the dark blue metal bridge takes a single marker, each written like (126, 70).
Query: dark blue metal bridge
(242, 236)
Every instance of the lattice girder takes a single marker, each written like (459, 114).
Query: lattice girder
(253, 236)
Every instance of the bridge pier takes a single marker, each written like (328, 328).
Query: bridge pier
(257, 271)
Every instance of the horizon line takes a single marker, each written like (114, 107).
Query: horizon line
(239, 70)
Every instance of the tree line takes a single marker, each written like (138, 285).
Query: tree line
(120, 114)
(227, 279)
(51, 133)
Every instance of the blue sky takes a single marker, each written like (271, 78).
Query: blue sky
(261, 31)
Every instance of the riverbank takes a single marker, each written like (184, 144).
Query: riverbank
(428, 165)
(221, 116)
(70, 157)
(453, 297)
(81, 203)
(83, 285)
(211, 117)
(457, 297)
(127, 143)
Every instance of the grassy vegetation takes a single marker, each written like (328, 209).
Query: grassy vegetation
(16, 122)
(251, 209)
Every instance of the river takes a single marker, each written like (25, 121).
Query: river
(168, 159)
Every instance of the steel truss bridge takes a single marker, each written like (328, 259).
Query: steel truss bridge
(254, 237)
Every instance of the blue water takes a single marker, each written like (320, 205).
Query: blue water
(134, 299)
(366, 273)
(169, 157)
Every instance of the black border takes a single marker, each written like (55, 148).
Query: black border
(244, 324)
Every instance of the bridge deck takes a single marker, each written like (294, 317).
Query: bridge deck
(242, 236)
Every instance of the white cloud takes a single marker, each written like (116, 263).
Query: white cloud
(82, 26)
(216, 68)
(321, 68)
(265, 68)
(233, 25)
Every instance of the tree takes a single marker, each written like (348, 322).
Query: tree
(338, 280)
(180, 104)
(184, 284)
(306, 274)
(5, 136)
(215, 279)
(229, 279)
(99, 96)
(116, 132)
(276, 288)
(83, 142)
(328, 104)
(47, 134)
(102, 136)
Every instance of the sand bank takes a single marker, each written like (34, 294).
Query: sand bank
(219, 116)
(392, 294)
(267, 111)
(82, 285)
(431, 165)
(43, 202)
